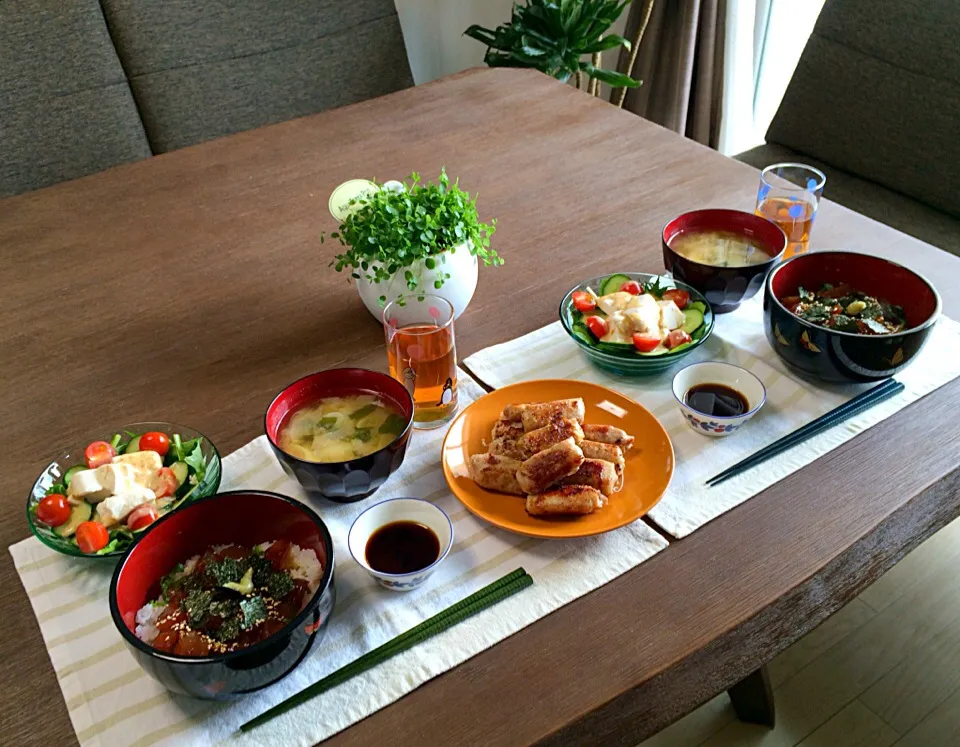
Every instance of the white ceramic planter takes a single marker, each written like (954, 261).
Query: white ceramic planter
(462, 267)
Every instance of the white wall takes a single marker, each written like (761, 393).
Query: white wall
(433, 32)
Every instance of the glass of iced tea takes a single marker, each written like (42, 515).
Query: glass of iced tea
(422, 355)
(789, 195)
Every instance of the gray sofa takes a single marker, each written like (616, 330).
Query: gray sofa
(875, 103)
(85, 85)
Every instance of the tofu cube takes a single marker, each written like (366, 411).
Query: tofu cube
(671, 315)
(114, 509)
(117, 478)
(145, 465)
(86, 485)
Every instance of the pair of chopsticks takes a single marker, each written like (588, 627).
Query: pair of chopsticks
(866, 400)
(476, 602)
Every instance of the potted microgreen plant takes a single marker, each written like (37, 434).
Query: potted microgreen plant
(405, 238)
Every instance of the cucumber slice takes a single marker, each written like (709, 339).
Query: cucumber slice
(68, 475)
(78, 514)
(616, 347)
(692, 319)
(181, 470)
(699, 306)
(612, 284)
(133, 446)
(581, 333)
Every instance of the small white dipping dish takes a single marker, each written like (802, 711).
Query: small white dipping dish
(388, 512)
(727, 374)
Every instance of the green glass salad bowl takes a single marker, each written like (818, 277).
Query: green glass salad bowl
(624, 358)
(189, 469)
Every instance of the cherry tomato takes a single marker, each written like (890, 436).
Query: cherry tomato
(633, 287)
(92, 536)
(645, 343)
(583, 301)
(155, 441)
(598, 327)
(680, 297)
(53, 510)
(99, 453)
(166, 482)
(677, 337)
(142, 516)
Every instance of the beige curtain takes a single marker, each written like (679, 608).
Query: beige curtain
(680, 62)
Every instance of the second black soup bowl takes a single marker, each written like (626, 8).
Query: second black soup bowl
(833, 355)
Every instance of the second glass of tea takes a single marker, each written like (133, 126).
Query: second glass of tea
(422, 355)
(789, 195)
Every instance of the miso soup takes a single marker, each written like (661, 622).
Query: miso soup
(718, 249)
(339, 429)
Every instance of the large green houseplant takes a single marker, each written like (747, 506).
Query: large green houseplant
(414, 237)
(562, 38)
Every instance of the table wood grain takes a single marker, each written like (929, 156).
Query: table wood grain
(192, 287)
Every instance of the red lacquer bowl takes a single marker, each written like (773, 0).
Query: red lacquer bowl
(246, 518)
(844, 356)
(724, 287)
(342, 482)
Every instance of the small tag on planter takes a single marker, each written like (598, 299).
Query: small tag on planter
(339, 203)
(340, 198)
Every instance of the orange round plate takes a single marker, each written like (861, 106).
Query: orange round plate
(649, 464)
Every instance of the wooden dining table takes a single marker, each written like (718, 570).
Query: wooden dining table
(191, 287)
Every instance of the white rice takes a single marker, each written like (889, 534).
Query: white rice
(305, 563)
(306, 566)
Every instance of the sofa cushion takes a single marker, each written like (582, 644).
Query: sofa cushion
(202, 70)
(65, 106)
(877, 94)
(870, 199)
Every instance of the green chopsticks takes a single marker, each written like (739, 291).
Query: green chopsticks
(476, 602)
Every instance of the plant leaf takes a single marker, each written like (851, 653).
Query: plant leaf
(607, 42)
(481, 34)
(610, 77)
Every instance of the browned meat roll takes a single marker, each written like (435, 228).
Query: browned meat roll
(544, 469)
(538, 415)
(598, 474)
(606, 452)
(608, 434)
(506, 447)
(552, 433)
(503, 428)
(496, 473)
(570, 500)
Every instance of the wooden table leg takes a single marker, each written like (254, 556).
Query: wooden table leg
(752, 698)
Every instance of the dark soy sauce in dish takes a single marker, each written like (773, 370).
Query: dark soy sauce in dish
(717, 400)
(402, 547)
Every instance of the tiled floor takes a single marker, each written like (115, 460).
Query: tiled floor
(884, 670)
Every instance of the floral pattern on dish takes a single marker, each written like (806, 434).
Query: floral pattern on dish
(711, 426)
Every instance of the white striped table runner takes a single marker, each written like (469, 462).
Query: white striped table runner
(111, 702)
(791, 402)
